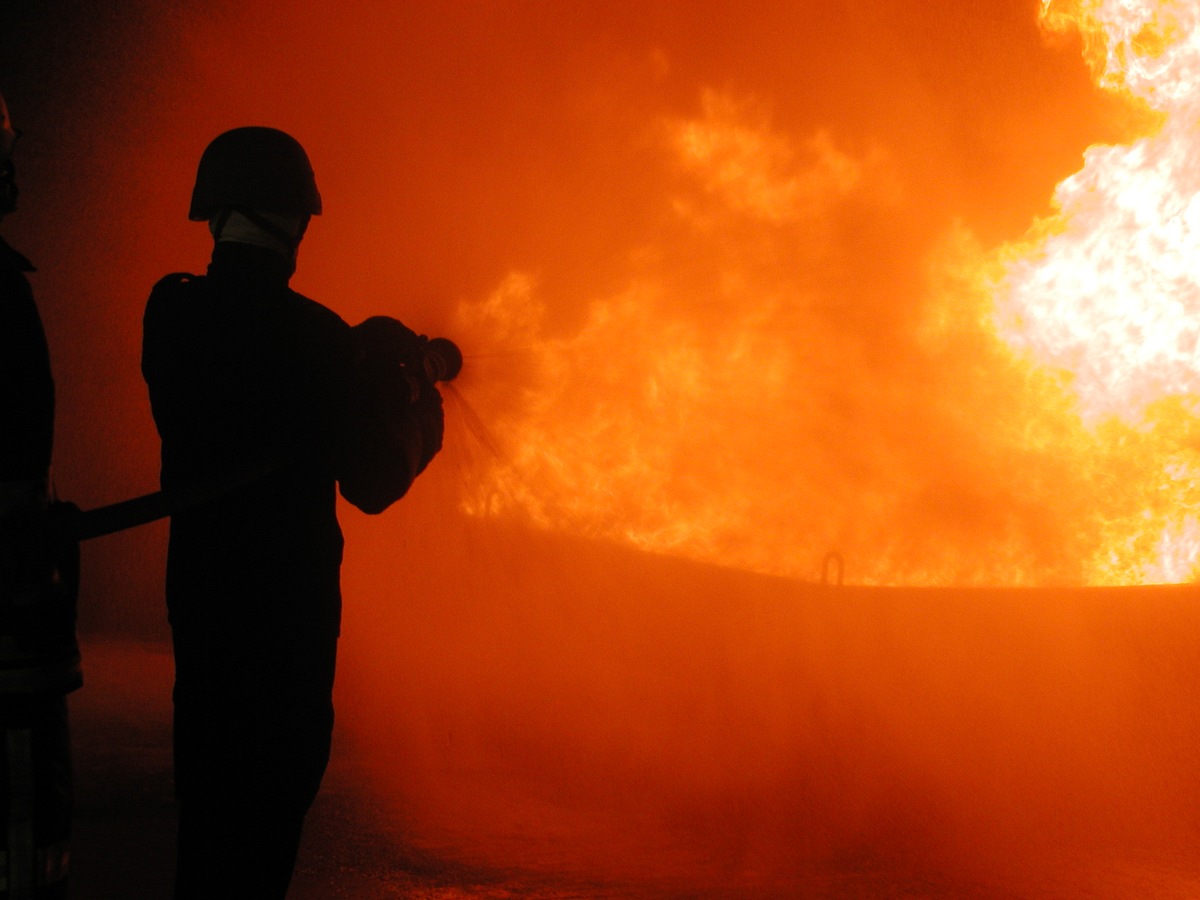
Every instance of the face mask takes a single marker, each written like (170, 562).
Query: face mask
(279, 233)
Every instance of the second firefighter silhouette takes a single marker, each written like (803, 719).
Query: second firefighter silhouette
(39, 656)
(265, 402)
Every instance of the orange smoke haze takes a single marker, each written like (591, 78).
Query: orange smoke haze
(723, 280)
(912, 284)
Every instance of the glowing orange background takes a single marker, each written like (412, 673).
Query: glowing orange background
(458, 144)
(715, 270)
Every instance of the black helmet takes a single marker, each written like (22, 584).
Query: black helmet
(255, 168)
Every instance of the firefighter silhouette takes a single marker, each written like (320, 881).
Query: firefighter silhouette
(39, 656)
(255, 386)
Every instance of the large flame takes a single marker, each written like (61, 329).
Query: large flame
(736, 403)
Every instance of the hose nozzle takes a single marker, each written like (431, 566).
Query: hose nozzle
(441, 359)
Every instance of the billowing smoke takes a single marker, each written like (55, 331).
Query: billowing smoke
(722, 277)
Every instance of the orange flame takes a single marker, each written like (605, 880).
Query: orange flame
(788, 374)
(669, 420)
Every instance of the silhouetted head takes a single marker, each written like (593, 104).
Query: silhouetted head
(256, 185)
(8, 178)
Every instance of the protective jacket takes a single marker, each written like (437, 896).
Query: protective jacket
(38, 569)
(26, 385)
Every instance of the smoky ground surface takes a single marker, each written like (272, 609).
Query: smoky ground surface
(358, 843)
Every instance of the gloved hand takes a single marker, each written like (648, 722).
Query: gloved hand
(395, 422)
(388, 349)
(392, 361)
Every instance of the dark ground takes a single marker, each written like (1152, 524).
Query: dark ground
(124, 831)
(124, 823)
(124, 820)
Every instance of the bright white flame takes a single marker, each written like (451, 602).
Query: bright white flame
(1108, 288)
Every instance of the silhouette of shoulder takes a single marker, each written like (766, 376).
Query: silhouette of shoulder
(169, 287)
